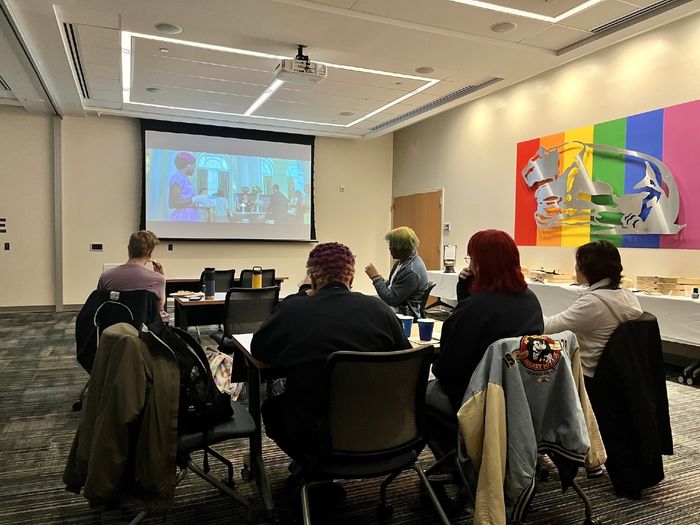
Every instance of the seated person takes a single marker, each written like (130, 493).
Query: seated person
(494, 302)
(133, 274)
(408, 278)
(601, 308)
(304, 330)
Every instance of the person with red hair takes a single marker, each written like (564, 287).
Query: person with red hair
(494, 303)
(304, 330)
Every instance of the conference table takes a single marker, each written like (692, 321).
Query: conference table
(203, 311)
(255, 369)
(678, 316)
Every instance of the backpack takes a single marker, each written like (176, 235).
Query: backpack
(201, 404)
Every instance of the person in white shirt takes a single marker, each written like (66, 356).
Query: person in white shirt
(601, 308)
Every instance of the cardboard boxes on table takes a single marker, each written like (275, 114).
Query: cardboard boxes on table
(667, 285)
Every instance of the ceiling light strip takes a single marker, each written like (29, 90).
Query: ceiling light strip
(529, 14)
(267, 93)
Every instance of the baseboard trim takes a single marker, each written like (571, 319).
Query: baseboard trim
(48, 308)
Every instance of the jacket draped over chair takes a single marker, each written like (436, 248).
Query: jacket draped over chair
(126, 443)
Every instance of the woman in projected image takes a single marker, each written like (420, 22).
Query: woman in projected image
(181, 195)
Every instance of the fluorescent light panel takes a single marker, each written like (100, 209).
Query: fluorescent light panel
(127, 64)
(529, 14)
(269, 90)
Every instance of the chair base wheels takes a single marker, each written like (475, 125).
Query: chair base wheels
(78, 405)
(384, 511)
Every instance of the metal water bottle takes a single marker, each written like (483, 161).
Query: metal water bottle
(209, 283)
(257, 277)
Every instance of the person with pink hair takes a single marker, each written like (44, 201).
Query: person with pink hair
(304, 330)
(182, 194)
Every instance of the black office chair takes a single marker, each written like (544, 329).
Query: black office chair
(245, 309)
(374, 423)
(223, 279)
(424, 299)
(102, 309)
(239, 425)
(246, 280)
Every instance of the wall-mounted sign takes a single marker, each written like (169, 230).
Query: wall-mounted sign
(628, 180)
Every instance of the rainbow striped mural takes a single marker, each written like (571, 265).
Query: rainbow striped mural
(671, 135)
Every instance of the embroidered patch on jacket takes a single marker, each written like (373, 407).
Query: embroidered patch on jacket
(538, 353)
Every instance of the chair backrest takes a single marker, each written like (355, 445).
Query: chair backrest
(104, 308)
(223, 279)
(424, 298)
(246, 280)
(375, 401)
(245, 309)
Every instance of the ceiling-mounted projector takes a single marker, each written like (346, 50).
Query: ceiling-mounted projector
(300, 69)
(293, 70)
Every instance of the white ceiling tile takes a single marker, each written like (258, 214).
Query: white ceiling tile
(551, 8)
(557, 37)
(599, 14)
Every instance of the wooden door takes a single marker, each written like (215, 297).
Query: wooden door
(423, 213)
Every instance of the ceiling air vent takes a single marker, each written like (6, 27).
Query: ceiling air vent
(75, 56)
(461, 92)
(624, 22)
(3, 85)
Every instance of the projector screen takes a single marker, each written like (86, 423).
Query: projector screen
(209, 183)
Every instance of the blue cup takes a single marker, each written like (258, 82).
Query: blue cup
(407, 322)
(425, 329)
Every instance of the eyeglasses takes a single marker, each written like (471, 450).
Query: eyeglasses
(467, 259)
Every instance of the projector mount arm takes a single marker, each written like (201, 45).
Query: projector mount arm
(302, 56)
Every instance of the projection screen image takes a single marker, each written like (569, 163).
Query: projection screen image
(205, 187)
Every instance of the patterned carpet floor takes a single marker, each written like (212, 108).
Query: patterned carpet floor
(40, 379)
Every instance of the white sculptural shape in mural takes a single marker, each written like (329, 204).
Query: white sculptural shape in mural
(570, 196)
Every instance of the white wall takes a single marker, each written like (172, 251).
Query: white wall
(101, 204)
(471, 150)
(26, 201)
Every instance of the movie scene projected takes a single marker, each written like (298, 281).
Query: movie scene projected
(254, 190)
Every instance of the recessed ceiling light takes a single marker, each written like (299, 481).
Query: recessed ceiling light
(503, 27)
(153, 90)
(164, 50)
(168, 29)
(424, 70)
(346, 113)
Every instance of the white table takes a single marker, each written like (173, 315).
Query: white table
(679, 317)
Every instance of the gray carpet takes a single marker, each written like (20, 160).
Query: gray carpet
(40, 379)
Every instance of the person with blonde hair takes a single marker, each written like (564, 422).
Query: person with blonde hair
(408, 279)
(133, 274)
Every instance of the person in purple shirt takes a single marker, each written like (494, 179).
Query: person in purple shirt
(181, 194)
(133, 275)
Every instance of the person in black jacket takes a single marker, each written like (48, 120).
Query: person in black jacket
(304, 330)
(494, 303)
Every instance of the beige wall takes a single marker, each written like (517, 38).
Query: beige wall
(101, 204)
(471, 150)
(26, 201)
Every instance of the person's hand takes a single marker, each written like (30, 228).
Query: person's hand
(371, 271)
(466, 273)
(157, 267)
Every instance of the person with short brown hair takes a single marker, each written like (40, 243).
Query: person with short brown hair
(601, 308)
(133, 274)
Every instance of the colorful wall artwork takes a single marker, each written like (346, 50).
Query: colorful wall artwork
(634, 181)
